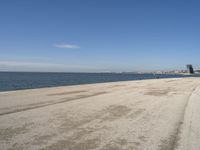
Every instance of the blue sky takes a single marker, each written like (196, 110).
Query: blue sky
(99, 35)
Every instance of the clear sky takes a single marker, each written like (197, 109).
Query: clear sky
(99, 35)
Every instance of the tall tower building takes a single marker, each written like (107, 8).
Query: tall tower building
(190, 69)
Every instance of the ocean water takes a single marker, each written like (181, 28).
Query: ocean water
(30, 80)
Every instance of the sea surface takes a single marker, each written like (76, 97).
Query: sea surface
(29, 80)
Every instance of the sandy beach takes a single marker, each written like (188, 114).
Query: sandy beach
(159, 114)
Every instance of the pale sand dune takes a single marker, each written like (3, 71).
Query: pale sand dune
(159, 114)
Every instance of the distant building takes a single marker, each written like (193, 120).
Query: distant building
(190, 69)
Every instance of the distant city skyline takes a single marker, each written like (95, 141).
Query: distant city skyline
(99, 36)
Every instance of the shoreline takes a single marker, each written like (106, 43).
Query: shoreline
(88, 84)
(93, 83)
(20, 81)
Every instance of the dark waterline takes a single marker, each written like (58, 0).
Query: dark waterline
(30, 80)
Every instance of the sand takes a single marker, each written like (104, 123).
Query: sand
(159, 114)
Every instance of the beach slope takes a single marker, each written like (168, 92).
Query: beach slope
(159, 114)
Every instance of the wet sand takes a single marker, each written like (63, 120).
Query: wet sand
(159, 114)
